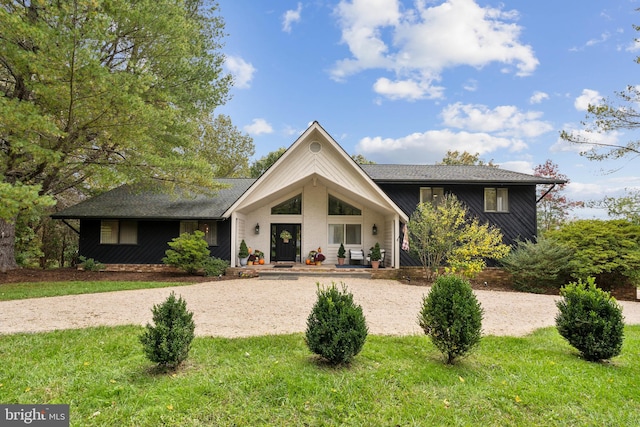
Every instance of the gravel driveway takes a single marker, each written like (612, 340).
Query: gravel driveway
(240, 308)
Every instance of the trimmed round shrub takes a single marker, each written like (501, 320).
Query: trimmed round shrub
(591, 320)
(336, 327)
(452, 317)
(215, 266)
(189, 252)
(168, 342)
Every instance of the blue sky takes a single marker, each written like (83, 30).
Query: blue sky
(405, 81)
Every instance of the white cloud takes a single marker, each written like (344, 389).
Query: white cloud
(588, 97)
(521, 166)
(241, 70)
(418, 44)
(410, 90)
(258, 127)
(594, 140)
(538, 97)
(504, 120)
(430, 146)
(291, 16)
(603, 38)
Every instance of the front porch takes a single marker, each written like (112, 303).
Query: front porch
(294, 270)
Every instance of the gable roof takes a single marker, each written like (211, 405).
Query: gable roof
(128, 202)
(452, 174)
(315, 156)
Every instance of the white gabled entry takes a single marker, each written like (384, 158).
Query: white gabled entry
(316, 168)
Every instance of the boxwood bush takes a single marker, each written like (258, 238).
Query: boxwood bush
(336, 327)
(167, 343)
(590, 320)
(452, 317)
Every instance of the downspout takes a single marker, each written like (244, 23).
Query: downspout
(545, 193)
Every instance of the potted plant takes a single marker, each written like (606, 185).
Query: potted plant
(285, 236)
(341, 254)
(243, 254)
(375, 255)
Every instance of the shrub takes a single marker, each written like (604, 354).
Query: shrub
(590, 320)
(536, 266)
(168, 342)
(336, 327)
(244, 250)
(452, 317)
(215, 266)
(606, 250)
(89, 264)
(188, 252)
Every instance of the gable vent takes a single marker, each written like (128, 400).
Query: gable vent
(315, 147)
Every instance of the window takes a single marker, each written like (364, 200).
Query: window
(292, 206)
(209, 228)
(349, 234)
(339, 207)
(431, 194)
(496, 200)
(114, 232)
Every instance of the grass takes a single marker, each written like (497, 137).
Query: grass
(274, 380)
(15, 291)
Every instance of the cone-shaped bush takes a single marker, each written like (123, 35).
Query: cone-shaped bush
(452, 317)
(591, 320)
(336, 327)
(168, 342)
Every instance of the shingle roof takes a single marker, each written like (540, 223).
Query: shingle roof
(127, 202)
(451, 174)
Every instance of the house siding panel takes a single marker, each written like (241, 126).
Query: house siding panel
(153, 238)
(518, 223)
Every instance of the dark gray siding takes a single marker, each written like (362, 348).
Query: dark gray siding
(153, 238)
(518, 223)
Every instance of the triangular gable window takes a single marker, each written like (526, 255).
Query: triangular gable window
(293, 206)
(339, 207)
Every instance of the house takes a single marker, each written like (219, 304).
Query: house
(317, 193)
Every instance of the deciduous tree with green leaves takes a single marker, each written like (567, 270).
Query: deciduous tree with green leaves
(97, 92)
(464, 158)
(261, 165)
(445, 233)
(609, 251)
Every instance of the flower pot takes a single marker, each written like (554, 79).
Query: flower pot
(249, 262)
(243, 261)
(285, 240)
(318, 262)
(375, 264)
(340, 261)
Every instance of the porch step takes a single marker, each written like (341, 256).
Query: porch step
(318, 272)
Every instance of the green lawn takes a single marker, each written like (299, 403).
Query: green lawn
(274, 380)
(14, 291)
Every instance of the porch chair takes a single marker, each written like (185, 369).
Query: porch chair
(356, 255)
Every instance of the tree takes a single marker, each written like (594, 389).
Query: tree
(553, 206)
(261, 165)
(625, 207)
(606, 250)
(445, 233)
(609, 117)
(224, 147)
(464, 158)
(362, 160)
(102, 92)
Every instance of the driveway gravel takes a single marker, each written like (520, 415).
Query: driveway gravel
(241, 308)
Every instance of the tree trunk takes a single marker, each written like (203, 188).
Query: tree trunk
(7, 246)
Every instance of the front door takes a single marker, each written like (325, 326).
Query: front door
(283, 248)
